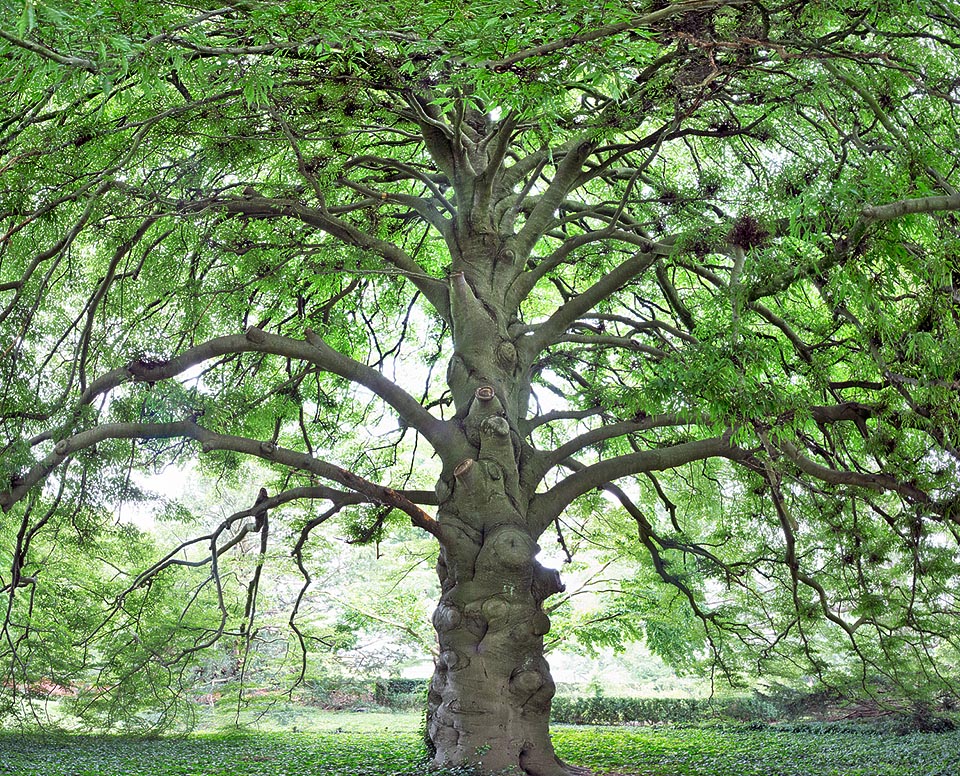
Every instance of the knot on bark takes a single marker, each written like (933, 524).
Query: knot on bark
(496, 610)
(446, 617)
(497, 425)
(546, 582)
(506, 354)
(144, 368)
(540, 624)
(485, 393)
(451, 660)
(526, 682)
(507, 548)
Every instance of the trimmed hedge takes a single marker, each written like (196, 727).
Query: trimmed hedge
(609, 710)
(604, 710)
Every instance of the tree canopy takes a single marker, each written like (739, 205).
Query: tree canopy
(692, 266)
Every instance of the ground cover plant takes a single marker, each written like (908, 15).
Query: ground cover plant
(388, 745)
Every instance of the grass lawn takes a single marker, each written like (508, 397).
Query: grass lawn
(378, 744)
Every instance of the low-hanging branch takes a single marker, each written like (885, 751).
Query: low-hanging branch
(210, 441)
(312, 350)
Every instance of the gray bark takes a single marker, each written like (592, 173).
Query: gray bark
(489, 701)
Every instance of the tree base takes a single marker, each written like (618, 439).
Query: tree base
(555, 769)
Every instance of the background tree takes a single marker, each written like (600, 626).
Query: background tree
(699, 255)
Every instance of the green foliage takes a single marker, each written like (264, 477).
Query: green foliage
(401, 693)
(610, 710)
(761, 752)
(392, 749)
(722, 242)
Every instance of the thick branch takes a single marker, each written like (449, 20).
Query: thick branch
(547, 332)
(542, 215)
(526, 281)
(612, 341)
(426, 209)
(546, 506)
(555, 415)
(314, 351)
(209, 441)
(909, 206)
(547, 460)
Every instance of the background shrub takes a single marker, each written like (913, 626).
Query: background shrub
(398, 693)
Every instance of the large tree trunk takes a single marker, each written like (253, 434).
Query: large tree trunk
(489, 702)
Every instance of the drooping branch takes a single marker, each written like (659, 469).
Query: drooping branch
(307, 581)
(64, 242)
(48, 53)
(210, 441)
(174, 556)
(313, 350)
(639, 22)
(875, 482)
(218, 543)
(670, 573)
(260, 207)
(789, 527)
(546, 506)
(102, 290)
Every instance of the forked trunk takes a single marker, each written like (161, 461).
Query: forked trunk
(489, 701)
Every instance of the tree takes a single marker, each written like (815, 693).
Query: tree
(570, 256)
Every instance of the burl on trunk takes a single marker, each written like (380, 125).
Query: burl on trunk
(489, 701)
